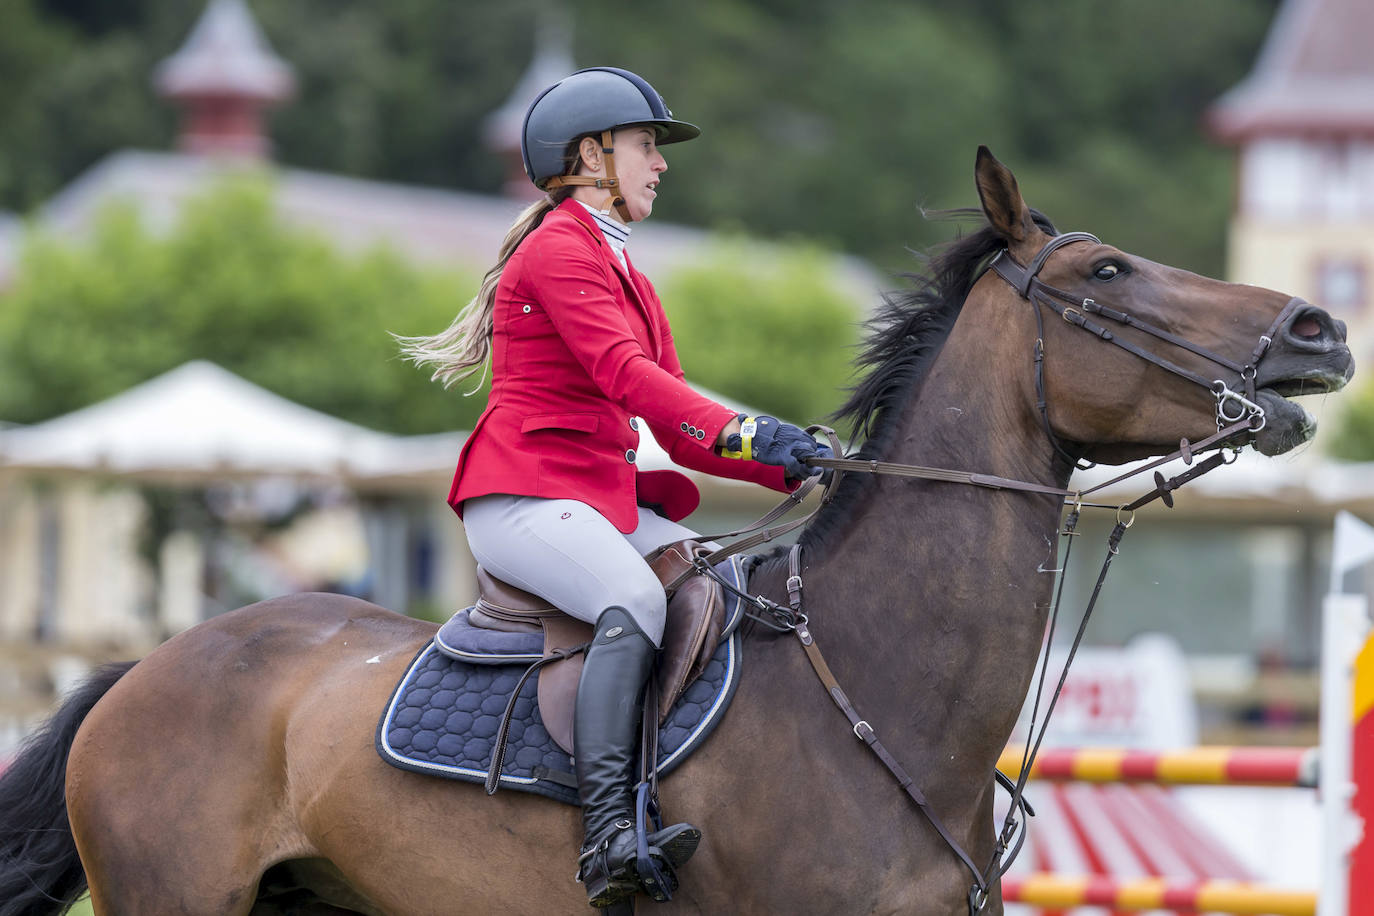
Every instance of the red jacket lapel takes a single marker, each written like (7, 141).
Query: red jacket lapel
(630, 278)
(644, 298)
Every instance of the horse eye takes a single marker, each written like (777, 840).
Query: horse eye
(1106, 272)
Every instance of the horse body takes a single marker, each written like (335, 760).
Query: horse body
(233, 769)
(232, 699)
(292, 777)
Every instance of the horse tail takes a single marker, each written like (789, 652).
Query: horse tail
(40, 870)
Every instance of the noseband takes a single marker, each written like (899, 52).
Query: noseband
(1231, 406)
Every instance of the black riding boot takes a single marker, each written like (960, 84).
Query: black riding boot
(610, 702)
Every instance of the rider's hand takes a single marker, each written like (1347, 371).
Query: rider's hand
(768, 440)
(822, 451)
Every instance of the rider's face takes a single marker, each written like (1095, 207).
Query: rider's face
(638, 165)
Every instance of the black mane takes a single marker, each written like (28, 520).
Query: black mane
(904, 335)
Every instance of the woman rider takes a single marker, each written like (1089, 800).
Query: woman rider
(546, 484)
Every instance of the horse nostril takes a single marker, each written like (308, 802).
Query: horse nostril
(1306, 326)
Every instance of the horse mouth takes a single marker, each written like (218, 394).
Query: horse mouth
(1288, 424)
(1317, 382)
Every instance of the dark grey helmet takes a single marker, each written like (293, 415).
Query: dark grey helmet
(589, 102)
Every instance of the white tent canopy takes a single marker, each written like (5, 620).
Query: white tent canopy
(202, 421)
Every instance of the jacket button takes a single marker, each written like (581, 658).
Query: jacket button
(700, 434)
(630, 455)
(634, 424)
(526, 310)
(685, 427)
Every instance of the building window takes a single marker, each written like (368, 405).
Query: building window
(1341, 283)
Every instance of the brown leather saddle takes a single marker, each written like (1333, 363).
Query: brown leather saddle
(696, 619)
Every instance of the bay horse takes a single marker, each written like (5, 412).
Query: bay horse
(232, 770)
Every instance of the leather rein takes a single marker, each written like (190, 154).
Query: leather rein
(1236, 415)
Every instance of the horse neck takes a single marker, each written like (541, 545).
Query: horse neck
(932, 602)
(973, 411)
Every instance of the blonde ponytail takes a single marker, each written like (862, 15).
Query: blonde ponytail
(464, 346)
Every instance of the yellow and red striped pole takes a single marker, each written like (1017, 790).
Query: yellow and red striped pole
(1243, 897)
(1231, 766)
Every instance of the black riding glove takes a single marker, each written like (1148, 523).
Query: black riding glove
(768, 440)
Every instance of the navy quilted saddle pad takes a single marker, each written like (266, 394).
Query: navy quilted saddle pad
(444, 715)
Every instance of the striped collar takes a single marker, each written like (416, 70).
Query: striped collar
(615, 232)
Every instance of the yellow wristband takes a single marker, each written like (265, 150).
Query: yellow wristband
(746, 437)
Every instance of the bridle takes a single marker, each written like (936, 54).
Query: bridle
(1236, 415)
(1231, 406)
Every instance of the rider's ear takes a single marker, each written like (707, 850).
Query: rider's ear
(1002, 202)
(589, 155)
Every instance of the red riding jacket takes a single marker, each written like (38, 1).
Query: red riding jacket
(580, 347)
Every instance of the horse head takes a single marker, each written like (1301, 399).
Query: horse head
(1137, 355)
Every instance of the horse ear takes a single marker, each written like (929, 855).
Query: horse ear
(1002, 202)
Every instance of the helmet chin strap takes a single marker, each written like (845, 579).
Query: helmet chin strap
(610, 183)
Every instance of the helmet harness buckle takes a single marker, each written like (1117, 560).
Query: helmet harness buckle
(609, 183)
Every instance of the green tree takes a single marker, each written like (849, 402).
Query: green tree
(233, 285)
(832, 122)
(399, 90)
(839, 122)
(1353, 436)
(77, 81)
(769, 328)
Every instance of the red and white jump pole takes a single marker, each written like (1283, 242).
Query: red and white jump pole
(1342, 768)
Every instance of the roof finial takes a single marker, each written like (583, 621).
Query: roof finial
(552, 61)
(222, 78)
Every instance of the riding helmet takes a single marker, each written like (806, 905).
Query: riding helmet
(588, 102)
